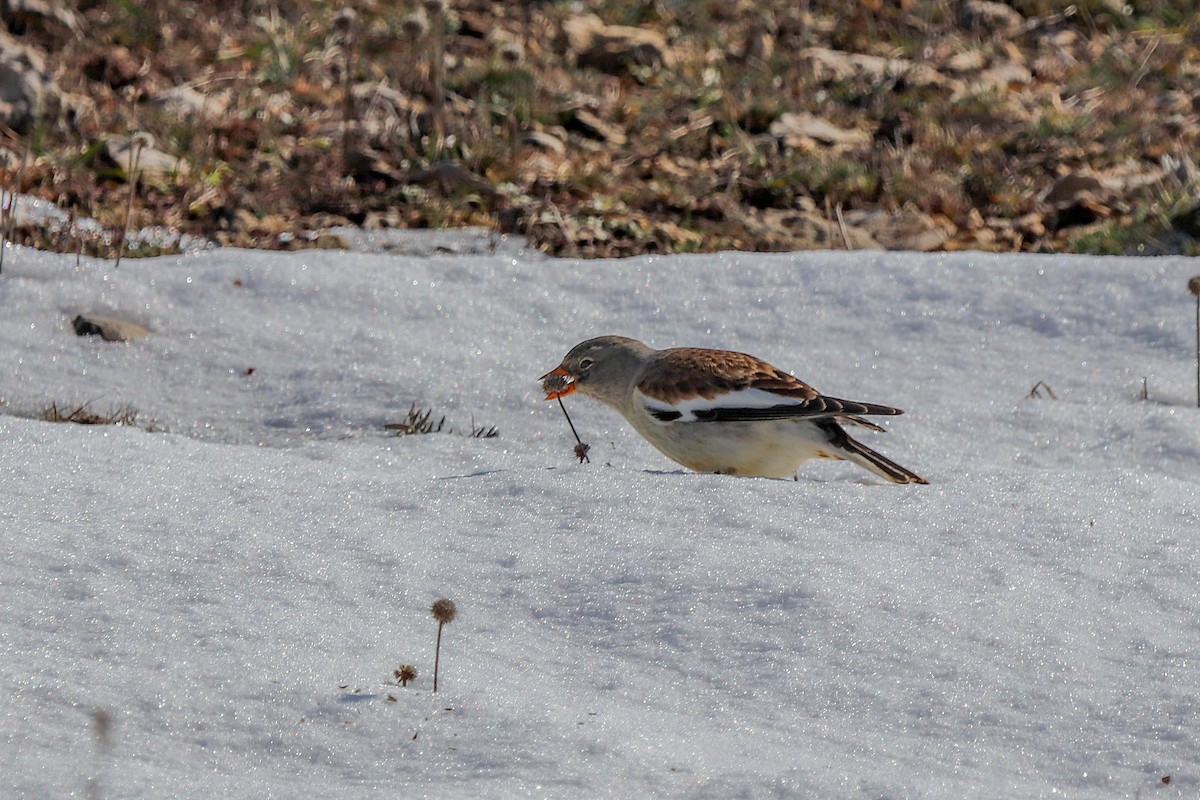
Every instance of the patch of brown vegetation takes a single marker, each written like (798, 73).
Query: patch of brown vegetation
(623, 127)
(83, 415)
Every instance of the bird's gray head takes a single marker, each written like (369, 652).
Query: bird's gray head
(603, 367)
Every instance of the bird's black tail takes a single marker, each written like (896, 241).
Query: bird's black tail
(868, 459)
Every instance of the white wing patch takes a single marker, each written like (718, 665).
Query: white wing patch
(686, 410)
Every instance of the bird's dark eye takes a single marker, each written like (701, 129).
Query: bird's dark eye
(586, 363)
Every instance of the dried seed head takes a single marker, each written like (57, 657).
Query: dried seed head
(553, 384)
(415, 25)
(444, 611)
(406, 673)
(343, 20)
(511, 53)
(1194, 286)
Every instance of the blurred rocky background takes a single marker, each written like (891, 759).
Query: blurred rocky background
(607, 127)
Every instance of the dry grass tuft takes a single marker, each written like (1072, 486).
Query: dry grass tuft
(83, 415)
(417, 422)
(420, 421)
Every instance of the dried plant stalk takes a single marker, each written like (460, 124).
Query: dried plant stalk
(444, 611)
(135, 154)
(581, 449)
(1194, 288)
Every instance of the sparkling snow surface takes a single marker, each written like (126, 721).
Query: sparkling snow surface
(234, 588)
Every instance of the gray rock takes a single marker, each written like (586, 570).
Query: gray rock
(184, 103)
(25, 85)
(117, 67)
(546, 142)
(788, 229)
(909, 230)
(1006, 75)
(615, 48)
(796, 130)
(839, 65)
(966, 61)
(331, 240)
(381, 109)
(145, 159)
(989, 17)
(1070, 188)
(1076, 199)
(111, 329)
(35, 13)
(593, 127)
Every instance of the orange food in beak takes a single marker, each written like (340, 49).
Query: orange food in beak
(557, 383)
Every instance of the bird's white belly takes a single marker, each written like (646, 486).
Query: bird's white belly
(771, 448)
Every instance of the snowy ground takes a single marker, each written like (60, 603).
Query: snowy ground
(234, 589)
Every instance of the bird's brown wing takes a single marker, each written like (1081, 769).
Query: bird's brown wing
(698, 385)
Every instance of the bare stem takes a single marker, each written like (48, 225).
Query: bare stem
(437, 655)
(437, 75)
(5, 210)
(8, 218)
(572, 424)
(580, 448)
(349, 135)
(135, 154)
(842, 227)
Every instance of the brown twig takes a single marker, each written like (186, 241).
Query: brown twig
(344, 24)
(581, 449)
(842, 227)
(135, 154)
(1194, 288)
(436, 9)
(1036, 391)
(8, 209)
(8, 220)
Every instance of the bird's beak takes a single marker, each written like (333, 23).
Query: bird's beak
(557, 383)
